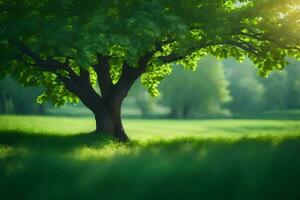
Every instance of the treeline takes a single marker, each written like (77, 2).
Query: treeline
(215, 88)
(16, 99)
(223, 88)
(254, 94)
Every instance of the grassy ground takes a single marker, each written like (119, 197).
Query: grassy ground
(54, 158)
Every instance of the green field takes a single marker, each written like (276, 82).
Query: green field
(56, 158)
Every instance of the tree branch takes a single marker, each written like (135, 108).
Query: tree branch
(48, 64)
(173, 57)
(240, 44)
(261, 37)
(80, 84)
(82, 88)
(243, 45)
(103, 73)
(130, 74)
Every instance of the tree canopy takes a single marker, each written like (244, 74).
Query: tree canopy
(56, 43)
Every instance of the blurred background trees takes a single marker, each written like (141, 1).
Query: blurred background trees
(189, 93)
(16, 99)
(283, 88)
(141, 100)
(215, 89)
(253, 94)
(245, 88)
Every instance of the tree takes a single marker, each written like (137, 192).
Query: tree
(203, 91)
(19, 100)
(293, 85)
(245, 87)
(276, 91)
(253, 94)
(285, 88)
(142, 99)
(67, 46)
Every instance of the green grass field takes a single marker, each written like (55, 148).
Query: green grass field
(56, 158)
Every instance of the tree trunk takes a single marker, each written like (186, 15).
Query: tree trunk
(173, 113)
(41, 109)
(1, 105)
(108, 120)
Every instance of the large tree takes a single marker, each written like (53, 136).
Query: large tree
(67, 46)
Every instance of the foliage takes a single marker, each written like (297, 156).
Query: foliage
(38, 39)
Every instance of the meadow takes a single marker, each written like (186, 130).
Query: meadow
(58, 158)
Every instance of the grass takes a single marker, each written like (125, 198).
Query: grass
(54, 158)
(155, 129)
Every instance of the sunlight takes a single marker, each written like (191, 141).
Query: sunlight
(102, 152)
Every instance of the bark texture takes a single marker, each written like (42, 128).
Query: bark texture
(110, 123)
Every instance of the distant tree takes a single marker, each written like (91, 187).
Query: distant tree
(203, 91)
(293, 97)
(252, 93)
(283, 89)
(276, 91)
(142, 99)
(4, 100)
(67, 46)
(245, 87)
(17, 99)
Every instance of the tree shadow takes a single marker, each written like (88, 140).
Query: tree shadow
(53, 141)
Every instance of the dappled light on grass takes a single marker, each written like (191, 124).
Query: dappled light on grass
(100, 152)
(9, 151)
